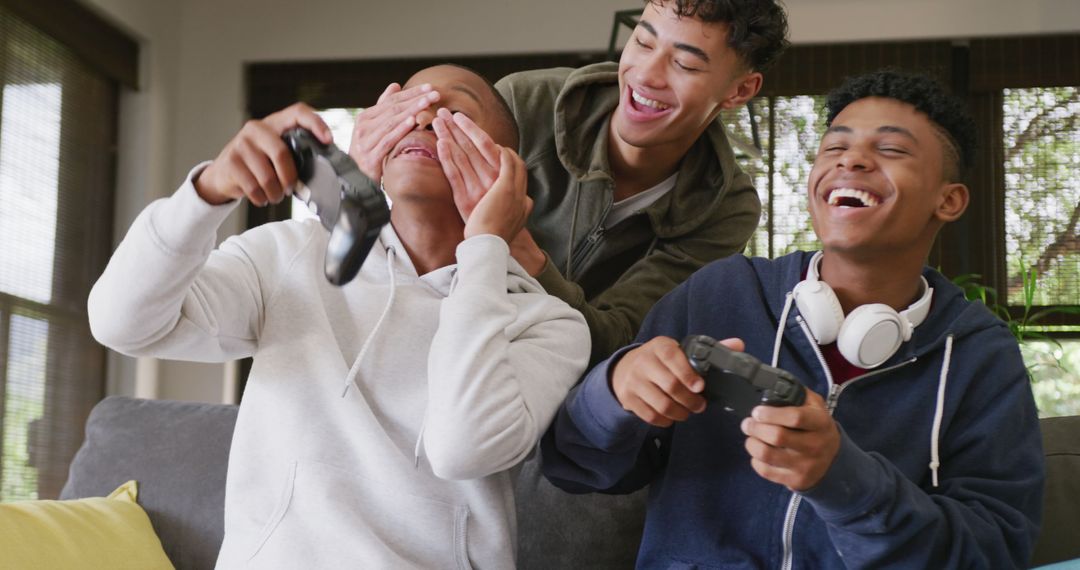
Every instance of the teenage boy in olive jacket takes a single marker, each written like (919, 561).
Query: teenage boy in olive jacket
(607, 137)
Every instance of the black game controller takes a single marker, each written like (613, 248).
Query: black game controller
(738, 381)
(346, 203)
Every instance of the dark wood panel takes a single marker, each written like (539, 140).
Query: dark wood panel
(93, 39)
(355, 83)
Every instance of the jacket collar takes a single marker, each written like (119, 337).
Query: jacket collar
(583, 112)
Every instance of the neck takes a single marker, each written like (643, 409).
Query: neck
(894, 282)
(429, 233)
(637, 169)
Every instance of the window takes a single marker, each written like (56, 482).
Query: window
(57, 134)
(1026, 196)
(789, 129)
(1042, 192)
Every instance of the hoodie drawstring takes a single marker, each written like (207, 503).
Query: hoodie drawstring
(939, 411)
(350, 378)
(780, 328)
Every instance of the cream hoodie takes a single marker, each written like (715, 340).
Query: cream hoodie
(395, 458)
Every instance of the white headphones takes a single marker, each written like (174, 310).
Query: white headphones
(870, 334)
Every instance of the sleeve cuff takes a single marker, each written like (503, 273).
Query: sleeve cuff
(599, 403)
(483, 262)
(849, 487)
(555, 284)
(182, 222)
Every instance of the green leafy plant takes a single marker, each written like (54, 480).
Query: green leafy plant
(1026, 327)
(1053, 370)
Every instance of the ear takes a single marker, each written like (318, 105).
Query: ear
(745, 90)
(954, 200)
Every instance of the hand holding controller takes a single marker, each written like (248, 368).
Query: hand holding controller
(334, 189)
(737, 380)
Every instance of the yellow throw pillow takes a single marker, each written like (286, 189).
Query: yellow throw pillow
(101, 532)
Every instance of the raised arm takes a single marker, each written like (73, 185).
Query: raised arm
(166, 292)
(505, 353)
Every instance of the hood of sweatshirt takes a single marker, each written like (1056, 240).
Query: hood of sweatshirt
(583, 111)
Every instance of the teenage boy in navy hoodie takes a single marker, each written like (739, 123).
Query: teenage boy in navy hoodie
(918, 445)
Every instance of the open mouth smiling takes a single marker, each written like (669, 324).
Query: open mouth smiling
(418, 151)
(643, 101)
(417, 147)
(851, 198)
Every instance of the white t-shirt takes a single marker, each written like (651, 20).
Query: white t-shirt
(628, 207)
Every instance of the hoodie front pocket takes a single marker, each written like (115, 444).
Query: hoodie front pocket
(329, 517)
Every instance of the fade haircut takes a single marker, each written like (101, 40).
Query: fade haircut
(757, 29)
(949, 115)
(504, 116)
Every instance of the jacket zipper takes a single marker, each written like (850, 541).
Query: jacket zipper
(581, 253)
(830, 404)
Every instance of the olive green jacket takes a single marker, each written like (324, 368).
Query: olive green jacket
(615, 275)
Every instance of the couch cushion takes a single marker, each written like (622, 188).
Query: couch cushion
(94, 533)
(1061, 503)
(178, 452)
(559, 530)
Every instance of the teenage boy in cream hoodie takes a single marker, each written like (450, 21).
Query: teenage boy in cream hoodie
(381, 418)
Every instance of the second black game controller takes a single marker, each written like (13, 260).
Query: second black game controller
(346, 203)
(738, 381)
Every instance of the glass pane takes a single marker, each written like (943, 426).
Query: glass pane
(24, 403)
(1042, 197)
(1055, 371)
(340, 122)
(29, 168)
(799, 123)
(753, 161)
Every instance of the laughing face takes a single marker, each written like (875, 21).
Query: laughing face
(412, 167)
(878, 185)
(675, 75)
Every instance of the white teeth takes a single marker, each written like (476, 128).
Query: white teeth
(648, 102)
(418, 150)
(864, 198)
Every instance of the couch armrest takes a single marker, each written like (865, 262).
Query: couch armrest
(178, 452)
(1061, 502)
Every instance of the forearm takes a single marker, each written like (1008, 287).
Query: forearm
(878, 517)
(596, 445)
(150, 299)
(500, 364)
(610, 327)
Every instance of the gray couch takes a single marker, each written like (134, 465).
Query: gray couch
(178, 451)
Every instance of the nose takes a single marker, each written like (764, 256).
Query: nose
(856, 158)
(425, 117)
(650, 68)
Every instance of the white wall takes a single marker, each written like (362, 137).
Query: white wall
(193, 53)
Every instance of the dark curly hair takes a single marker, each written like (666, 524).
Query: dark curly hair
(757, 29)
(948, 113)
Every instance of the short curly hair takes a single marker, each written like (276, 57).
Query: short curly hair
(757, 29)
(948, 113)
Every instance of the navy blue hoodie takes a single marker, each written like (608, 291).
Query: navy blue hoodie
(878, 504)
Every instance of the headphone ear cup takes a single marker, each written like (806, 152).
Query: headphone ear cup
(870, 335)
(820, 309)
